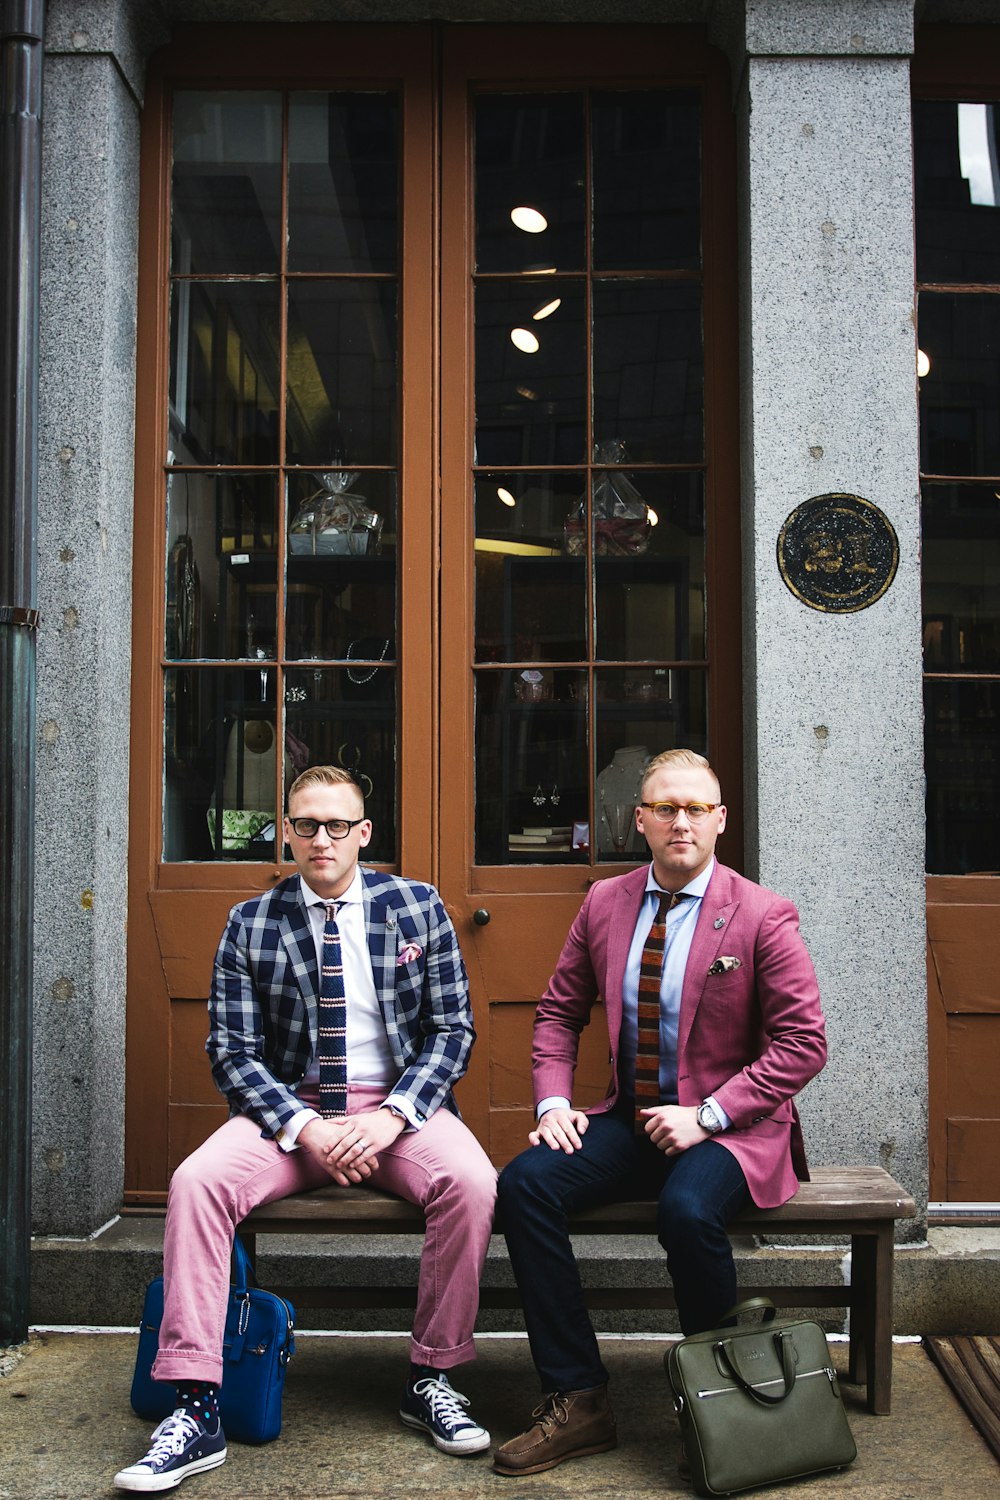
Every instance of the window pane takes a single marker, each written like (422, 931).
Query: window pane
(650, 578)
(960, 394)
(648, 371)
(346, 716)
(962, 765)
(342, 188)
(530, 600)
(961, 578)
(531, 766)
(227, 183)
(221, 565)
(220, 764)
(531, 388)
(647, 180)
(341, 590)
(530, 155)
(224, 372)
(342, 404)
(639, 714)
(957, 190)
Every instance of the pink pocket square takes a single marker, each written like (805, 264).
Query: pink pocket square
(408, 953)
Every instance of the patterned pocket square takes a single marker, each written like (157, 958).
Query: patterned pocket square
(408, 953)
(723, 965)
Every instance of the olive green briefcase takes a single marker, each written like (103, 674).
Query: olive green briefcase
(758, 1404)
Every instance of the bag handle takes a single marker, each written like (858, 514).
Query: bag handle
(752, 1304)
(785, 1348)
(243, 1273)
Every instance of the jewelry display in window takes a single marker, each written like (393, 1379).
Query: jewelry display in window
(621, 516)
(619, 789)
(331, 522)
(366, 650)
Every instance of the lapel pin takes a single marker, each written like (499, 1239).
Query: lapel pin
(390, 921)
(719, 922)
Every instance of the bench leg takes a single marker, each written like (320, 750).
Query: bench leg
(871, 1316)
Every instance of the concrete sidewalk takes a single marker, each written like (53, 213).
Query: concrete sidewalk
(66, 1427)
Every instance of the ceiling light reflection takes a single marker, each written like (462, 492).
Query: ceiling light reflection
(923, 364)
(524, 339)
(546, 309)
(528, 219)
(651, 516)
(504, 496)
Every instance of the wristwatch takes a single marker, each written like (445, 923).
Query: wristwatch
(708, 1119)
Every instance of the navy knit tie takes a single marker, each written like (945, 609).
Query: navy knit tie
(332, 1049)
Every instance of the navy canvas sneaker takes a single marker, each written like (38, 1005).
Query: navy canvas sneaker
(431, 1405)
(180, 1446)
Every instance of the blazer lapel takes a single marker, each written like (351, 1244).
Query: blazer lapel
(624, 914)
(297, 940)
(380, 929)
(717, 907)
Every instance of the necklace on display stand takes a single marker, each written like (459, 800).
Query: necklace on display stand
(360, 681)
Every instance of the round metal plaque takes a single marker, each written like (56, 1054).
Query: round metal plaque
(838, 553)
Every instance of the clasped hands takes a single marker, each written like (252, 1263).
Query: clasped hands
(348, 1149)
(673, 1128)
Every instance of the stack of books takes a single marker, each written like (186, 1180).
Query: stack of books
(541, 840)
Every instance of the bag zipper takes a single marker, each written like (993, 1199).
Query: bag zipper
(760, 1385)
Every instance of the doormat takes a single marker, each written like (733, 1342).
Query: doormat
(971, 1366)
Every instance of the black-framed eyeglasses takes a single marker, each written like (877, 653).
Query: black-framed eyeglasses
(336, 828)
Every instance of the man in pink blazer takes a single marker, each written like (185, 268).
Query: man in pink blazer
(740, 1033)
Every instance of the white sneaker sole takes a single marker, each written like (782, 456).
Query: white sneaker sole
(455, 1446)
(149, 1483)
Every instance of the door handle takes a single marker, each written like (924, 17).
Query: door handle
(481, 917)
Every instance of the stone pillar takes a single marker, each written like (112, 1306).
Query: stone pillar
(829, 404)
(92, 82)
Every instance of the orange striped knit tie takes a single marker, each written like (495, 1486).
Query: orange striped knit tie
(647, 1046)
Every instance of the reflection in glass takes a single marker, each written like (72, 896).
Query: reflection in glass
(224, 372)
(961, 577)
(960, 394)
(648, 370)
(342, 182)
(530, 407)
(640, 712)
(341, 602)
(957, 192)
(531, 766)
(647, 180)
(530, 600)
(962, 765)
(346, 716)
(221, 565)
(220, 763)
(650, 585)
(226, 182)
(342, 397)
(530, 153)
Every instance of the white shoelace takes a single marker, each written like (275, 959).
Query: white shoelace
(445, 1402)
(171, 1437)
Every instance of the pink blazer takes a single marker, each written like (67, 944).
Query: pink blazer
(752, 1036)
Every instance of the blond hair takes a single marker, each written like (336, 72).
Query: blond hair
(324, 776)
(668, 759)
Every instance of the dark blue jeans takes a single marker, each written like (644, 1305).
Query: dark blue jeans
(698, 1192)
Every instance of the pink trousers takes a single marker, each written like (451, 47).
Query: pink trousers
(441, 1167)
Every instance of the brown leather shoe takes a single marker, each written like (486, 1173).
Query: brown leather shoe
(567, 1424)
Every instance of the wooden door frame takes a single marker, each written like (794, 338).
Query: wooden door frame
(272, 58)
(564, 57)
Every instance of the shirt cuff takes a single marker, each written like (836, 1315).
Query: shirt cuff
(718, 1111)
(554, 1101)
(288, 1136)
(403, 1107)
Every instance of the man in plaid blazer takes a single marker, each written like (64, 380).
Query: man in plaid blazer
(408, 1037)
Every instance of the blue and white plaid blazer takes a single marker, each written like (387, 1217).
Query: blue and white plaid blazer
(263, 1009)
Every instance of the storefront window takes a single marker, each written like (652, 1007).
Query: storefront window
(957, 155)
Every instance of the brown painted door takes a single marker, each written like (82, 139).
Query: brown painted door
(435, 478)
(588, 493)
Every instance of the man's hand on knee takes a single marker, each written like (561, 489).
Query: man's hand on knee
(339, 1146)
(560, 1130)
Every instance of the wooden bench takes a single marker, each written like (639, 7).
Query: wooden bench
(862, 1202)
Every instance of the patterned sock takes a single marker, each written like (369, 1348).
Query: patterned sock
(200, 1399)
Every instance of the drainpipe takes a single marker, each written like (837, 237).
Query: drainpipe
(21, 31)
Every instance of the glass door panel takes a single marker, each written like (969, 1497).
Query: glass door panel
(282, 514)
(588, 457)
